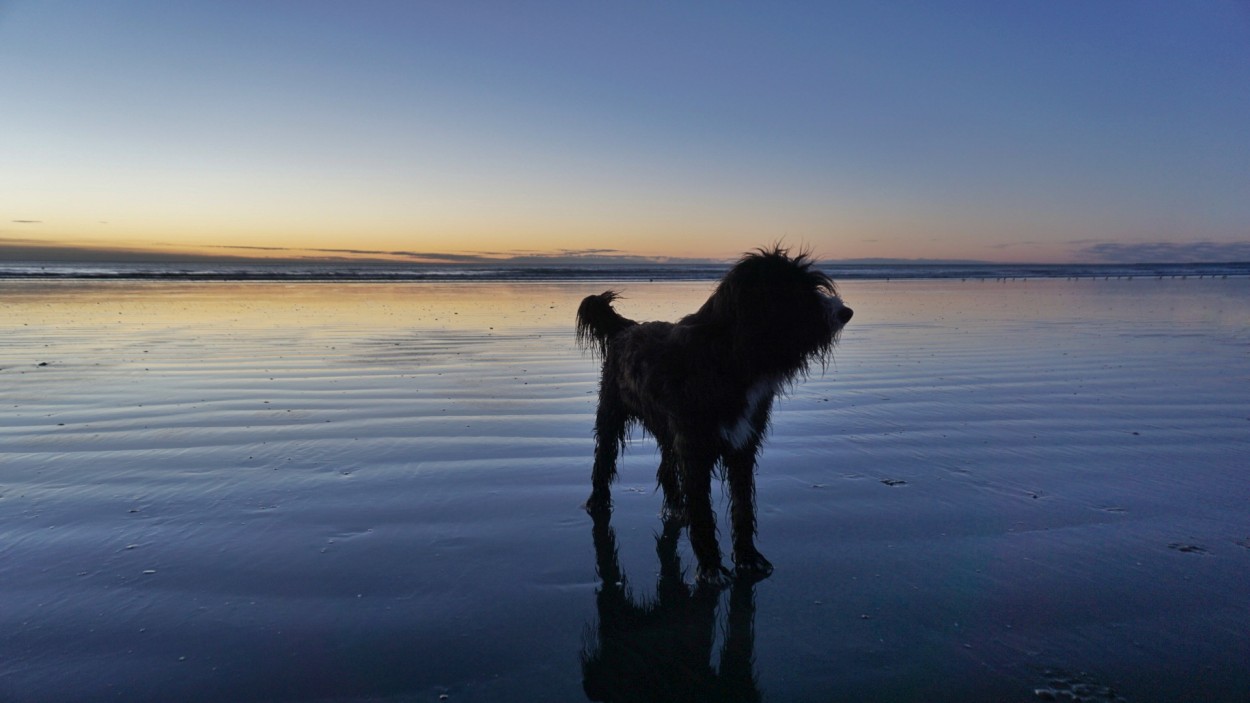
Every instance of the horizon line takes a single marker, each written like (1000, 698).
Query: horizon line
(32, 251)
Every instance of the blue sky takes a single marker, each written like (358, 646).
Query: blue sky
(1018, 131)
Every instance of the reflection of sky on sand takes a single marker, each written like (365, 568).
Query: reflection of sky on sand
(372, 490)
(260, 305)
(206, 307)
(305, 319)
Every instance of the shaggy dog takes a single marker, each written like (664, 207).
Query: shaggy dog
(704, 388)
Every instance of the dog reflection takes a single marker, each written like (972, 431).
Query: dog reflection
(661, 649)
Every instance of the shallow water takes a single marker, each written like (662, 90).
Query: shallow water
(318, 491)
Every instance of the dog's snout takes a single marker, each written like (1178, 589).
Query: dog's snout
(844, 315)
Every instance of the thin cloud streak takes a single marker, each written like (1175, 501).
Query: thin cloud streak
(24, 249)
(529, 258)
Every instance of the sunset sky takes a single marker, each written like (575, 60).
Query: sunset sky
(1047, 131)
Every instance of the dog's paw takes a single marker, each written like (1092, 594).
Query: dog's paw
(598, 503)
(752, 565)
(714, 575)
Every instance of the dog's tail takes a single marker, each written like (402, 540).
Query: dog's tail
(598, 323)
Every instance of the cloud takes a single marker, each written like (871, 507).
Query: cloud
(249, 248)
(27, 222)
(590, 252)
(560, 257)
(27, 249)
(1166, 252)
(14, 249)
(302, 253)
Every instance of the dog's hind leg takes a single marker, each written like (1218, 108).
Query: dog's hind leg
(667, 476)
(610, 423)
(740, 471)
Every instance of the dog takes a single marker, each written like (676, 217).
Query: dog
(704, 388)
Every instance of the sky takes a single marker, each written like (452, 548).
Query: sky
(1024, 131)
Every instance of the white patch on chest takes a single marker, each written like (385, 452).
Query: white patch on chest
(741, 430)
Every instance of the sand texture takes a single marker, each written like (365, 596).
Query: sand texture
(999, 491)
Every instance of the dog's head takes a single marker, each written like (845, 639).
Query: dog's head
(781, 313)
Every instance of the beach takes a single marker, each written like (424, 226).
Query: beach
(296, 491)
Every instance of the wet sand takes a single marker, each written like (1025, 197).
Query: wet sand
(999, 491)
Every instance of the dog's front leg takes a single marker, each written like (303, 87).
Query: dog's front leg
(740, 470)
(696, 483)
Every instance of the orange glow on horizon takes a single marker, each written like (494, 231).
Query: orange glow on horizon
(415, 250)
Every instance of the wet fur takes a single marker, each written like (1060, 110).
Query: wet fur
(704, 388)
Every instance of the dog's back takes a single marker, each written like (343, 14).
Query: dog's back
(598, 322)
